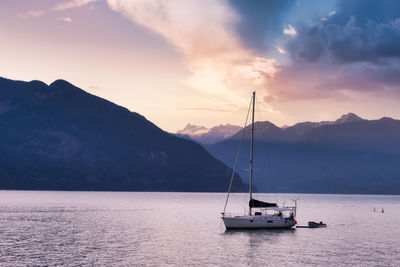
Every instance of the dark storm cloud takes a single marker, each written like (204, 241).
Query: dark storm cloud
(355, 49)
(311, 81)
(362, 77)
(335, 55)
(360, 31)
(261, 21)
(380, 11)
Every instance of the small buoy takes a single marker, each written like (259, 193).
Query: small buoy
(382, 210)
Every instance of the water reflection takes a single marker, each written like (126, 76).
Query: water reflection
(272, 232)
(257, 237)
(263, 242)
(152, 229)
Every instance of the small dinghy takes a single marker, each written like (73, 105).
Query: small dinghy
(316, 225)
(312, 224)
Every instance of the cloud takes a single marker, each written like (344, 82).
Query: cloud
(260, 22)
(359, 31)
(280, 50)
(309, 81)
(371, 42)
(72, 4)
(204, 33)
(35, 13)
(66, 19)
(32, 14)
(290, 30)
(58, 7)
(353, 51)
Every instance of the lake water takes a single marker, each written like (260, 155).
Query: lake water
(129, 228)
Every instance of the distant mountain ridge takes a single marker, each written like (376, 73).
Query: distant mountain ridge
(269, 132)
(349, 155)
(59, 137)
(204, 135)
(222, 132)
(350, 117)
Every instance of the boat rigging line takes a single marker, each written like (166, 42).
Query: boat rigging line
(237, 156)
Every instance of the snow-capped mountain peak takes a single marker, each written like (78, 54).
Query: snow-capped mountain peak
(209, 135)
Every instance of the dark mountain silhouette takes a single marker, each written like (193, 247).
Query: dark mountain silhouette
(269, 132)
(59, 137)
(350, 155)
(265, 130)
(293, 133)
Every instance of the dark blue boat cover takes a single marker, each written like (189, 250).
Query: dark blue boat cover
(254, 203)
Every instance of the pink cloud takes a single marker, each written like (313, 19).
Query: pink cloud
(58, 7)
(203, 32)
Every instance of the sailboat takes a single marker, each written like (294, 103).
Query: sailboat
(261, 215)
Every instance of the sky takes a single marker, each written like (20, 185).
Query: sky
(197, 61)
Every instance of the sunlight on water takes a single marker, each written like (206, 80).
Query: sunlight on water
(114, 229)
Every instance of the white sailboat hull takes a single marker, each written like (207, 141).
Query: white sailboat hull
(258, 222)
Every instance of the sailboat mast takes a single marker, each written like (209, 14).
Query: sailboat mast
(251, 151)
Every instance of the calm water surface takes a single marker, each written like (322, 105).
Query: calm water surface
(126, 229)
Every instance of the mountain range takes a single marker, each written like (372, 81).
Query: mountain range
(59, 137)
(349, 155)
(216, 134)
(269, 132)
(205, 135)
